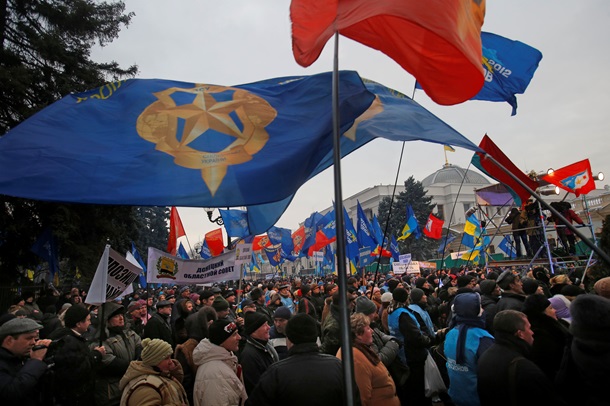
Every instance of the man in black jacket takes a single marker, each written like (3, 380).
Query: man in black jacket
(284, 381)
(258, 354)
(512, 291)
(21, 362)
(158, 326)
(74, 367)
(505, 373)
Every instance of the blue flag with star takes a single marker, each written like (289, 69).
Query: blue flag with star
(204, 145)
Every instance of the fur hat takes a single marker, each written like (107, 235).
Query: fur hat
(602, 287)
(505, 279)
(134, 306)
(154, 351)
(220, 330)
(386, 297)
(591, 318)
(74, 315)
(206, 294)
(530, 286)
(400, 295)
(253, 321)
(302, 328)
(365, 306)
(487, 286)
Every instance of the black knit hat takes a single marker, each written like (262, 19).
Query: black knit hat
(256, 294)
(220, 304)
(302, 328)
(400, 295)
(535, 304)
(220, 330)
(487, 286)
(416, 295)
(75, 314)
(530, 286)
(253, 321)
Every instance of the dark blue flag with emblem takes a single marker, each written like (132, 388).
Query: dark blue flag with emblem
(364, 230)
(168, 143)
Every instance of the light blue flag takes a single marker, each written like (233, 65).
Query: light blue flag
(508, 247)
(138, 257)
(311, 228)
(235, 222)
(182, 252)
(327, 224)
(364, 230)
(282, 236)
(509, 67)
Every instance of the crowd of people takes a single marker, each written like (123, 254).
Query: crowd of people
(495, 337)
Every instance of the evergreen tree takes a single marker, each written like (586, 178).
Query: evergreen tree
(153, 228)
(415, 195)
(45, 49)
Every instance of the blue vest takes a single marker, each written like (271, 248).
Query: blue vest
(463, 377)
(425, 317)
(393, 320)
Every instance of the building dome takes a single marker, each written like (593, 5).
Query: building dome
(454, 174)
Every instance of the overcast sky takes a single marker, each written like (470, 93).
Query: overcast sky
(561, 119)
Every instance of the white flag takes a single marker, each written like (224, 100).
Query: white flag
(114, 274)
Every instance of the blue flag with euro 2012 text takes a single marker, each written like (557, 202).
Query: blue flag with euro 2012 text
(509, 67)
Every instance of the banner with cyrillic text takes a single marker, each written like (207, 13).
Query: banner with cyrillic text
(165, 268)
(114, 274)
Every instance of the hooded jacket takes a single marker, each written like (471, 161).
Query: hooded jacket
(145, 386)
(218, 381)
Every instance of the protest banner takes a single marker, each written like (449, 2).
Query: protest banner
(165, 268)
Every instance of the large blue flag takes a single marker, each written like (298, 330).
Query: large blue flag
(445, 241)
(311, 228)
(282, 236)
(274, 254)
(46, 248)
(235, 222)
(140, 260)
(188, 144)
(364, 230)
(394, 249)
(509, 67)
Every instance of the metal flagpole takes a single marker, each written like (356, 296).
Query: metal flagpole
(590, 220)
(344, 323)
(547, 206)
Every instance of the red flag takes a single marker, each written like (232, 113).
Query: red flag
(434, 227)
(215, 242)
(260, 242)
(176, 230)
(298, 239)
(492, 170)
(576, 178)
(384, 253)
(438, 42)
(321, 241)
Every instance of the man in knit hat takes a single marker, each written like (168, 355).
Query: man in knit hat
(222, 307)
(156, 380)
(219, 379)
(490, 294)
(74, 362)
(277, 337)
(258, 297)
(257, 354)
(21, 361)
(284, 381)
(419, 305)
